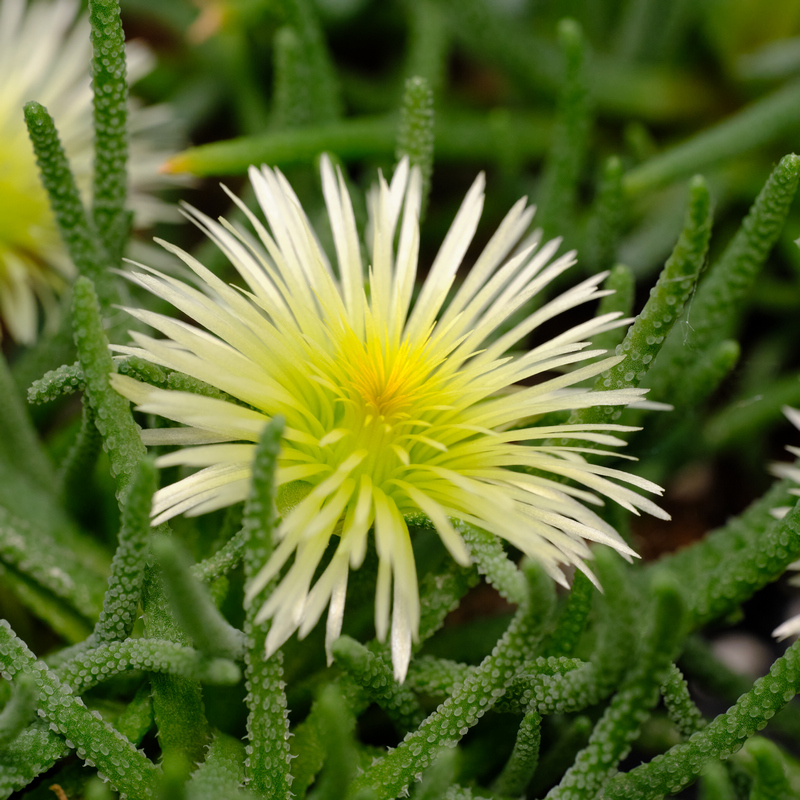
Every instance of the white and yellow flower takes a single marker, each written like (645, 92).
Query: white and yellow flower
(392, 407)
(45, 55)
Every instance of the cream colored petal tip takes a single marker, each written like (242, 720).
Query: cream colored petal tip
(789, 628)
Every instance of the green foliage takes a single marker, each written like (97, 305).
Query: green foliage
(740, 421)
(564, 162)
(110, 91)
(321, 85)
(77, 231)
(32, 752)
(676, 282)
(112, 413)
(222, 772)
(86, 670)
(19, 710)
(46, 606)
(373, 674)
(440, 593)
(571, 739)
(183, 729)
(706, 374)
(771, 780)
(192, 605)
(715, 309)
(121, 601)
(572, 620)
(616, 632)
(603, 231)
(267, 761)
(681, 765)
(761, 122)
(621, 282)
(338, 738)
(490, 557)
(429, 43)
(20, 443)
(468, 703)
(55, 383)
(731, 564)
(539, 686)
(51, 566)
(186, 383)
(415, 136)
(137, 718)
(457, 139)
(223, 561)
(76, 468)
(95, 741)
(681, 708)
(715, 784)
(553, 705)
(618, 727)
(703, 666)
(292, 107)
(524, 759)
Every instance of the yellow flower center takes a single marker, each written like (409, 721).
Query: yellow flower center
(385, 395)
(385, 385)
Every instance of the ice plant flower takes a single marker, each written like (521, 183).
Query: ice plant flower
(392, 406)
(792, 626)
(45, 54)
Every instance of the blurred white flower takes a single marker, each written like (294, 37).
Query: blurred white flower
(45, 55)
